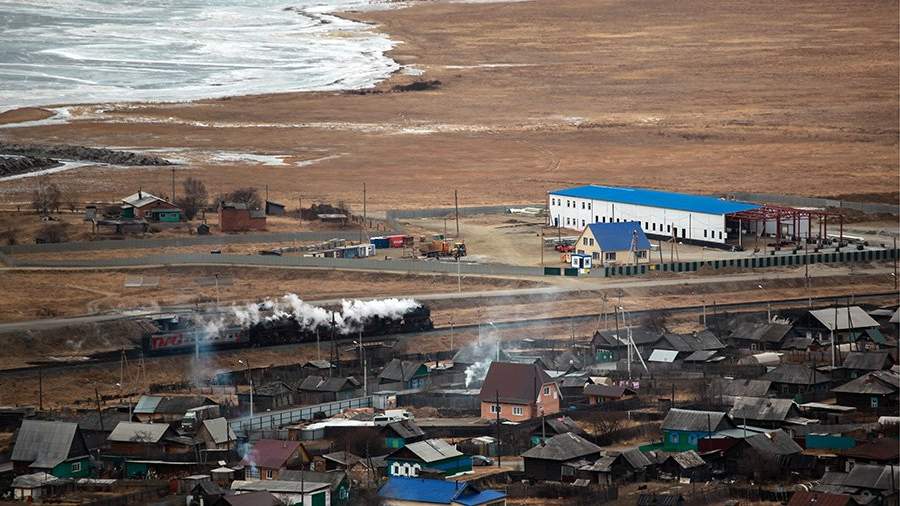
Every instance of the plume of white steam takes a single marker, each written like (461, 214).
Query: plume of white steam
(485, 351)
(354, 313)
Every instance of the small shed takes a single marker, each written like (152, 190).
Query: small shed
(274, 208)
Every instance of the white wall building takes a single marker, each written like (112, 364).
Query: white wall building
(690, 218)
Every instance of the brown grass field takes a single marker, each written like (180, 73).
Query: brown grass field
(702, 96)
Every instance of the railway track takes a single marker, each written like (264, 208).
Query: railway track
(113, 357)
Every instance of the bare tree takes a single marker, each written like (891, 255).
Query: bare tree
(10, 236)
(195, 197)
(248, 196)
(52, 232)
(70, 198)
(46, 197)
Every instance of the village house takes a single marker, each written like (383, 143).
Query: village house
(136, 449)
(797, 381)
(306, 492)
(847, 324)
(319, 389)
(558, 458)
(267, 458)
(55, 448)
(683, 428)
(764, 412)
(729, 389)
(270, 396)
(401, 491)
(216, 434)
(614, 243)
(169, 409)
(316, 368)
(760, 336)
(571, 386)
(683, 464)
(763, 455)
(518, 392)
(399, 434)
(615, 467)
(554, 426)
(339, 481)
(434, 455)
(145, 206)
(237, 217)
(876, 391)
(858, 363)
(865, 483)
(881, 451)
(601, 394)
(410, 375)
(31, 488)
(610, 345)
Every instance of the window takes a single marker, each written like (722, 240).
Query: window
(873, 401)
(495, 409)
(647, 225)
(591, 241)
(604, 219)
(610, 256)
(582, 205)
(584, 240)
(76, 467)
(268, 474)
(546, 390)
(669, 228)
(582, 223)
(596, 219)
(589, 205)
(673, 437)
(641, 253)
(653, 227)
(720, 234)
(704, 233)
(595, 256)
(518, 411)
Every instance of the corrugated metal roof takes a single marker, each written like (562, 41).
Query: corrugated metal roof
(656, 198)
(618, 236)
(279, 486)
(854, 315)
(433, 450)
(147, 404)
(777, 442)
(130, 432)
(219, 430)
(422, 490)
(761, 408)
(796, 374)
(44, 444)
(867, 360)
(877, 382)
(801, 498)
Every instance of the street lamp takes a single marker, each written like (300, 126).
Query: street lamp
(768, 304)
(121, 398)
(363, 364)
(250, 377)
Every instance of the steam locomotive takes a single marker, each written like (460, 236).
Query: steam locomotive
(175, 334)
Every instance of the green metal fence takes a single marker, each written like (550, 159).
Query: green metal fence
(760, 262)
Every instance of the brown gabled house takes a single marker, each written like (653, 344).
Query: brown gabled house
(268, 457)
(518, 392)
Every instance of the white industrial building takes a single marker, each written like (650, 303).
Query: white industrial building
(689, 218)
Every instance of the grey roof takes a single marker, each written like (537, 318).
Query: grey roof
(141, 199)
(219, 430)
(171, 405)
(867, 360)
(407, 429)
(274, 388)
(90, 420)
(323, 384)
(665, 356)
(574, 381)
(343, 458)
(876, 382)
(601, 465)
(854, 315)
(695, 421)
(777, 442)
(563, 447)
(685, 460)
(638, 335)
(333, 477)
(563, 424)
(399, 370)
(868, 476)
(764, 332)
(762, 408)
(127, 432)
(610, 391)
(433, 450)
(279, 486)
(744, 387)
(44, 444)
(700, 356)
(698, 341)
(636, 458)
(797, 343)
(796, 374)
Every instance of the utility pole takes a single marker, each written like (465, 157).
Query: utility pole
(497, 404)
(99, 411)
(173, 185)
(542, 247)
(40, 388)
(451, 333)
(318, 345)
(896, 280)
(456, 206)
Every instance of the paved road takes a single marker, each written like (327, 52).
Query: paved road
(565, 286)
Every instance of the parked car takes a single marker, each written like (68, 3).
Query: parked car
(481, 460)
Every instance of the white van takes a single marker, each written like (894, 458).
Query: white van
(391, 416)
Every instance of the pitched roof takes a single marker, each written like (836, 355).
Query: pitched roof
(432, 450)
(45, 444)
(656, 198)
(141, 199)
(619, 236)
(875, 382)
(802, 498)
(274, 388)
(699, 341)
(423, 490)
(776, 442)
(636, 458)
(761, 408)
(280, 486)
(133, 432)
(219, 430)
(685, 460)
(563, 424)
(763, 332)
(700, 356)
(869, 476)
(323, 384)
(745, 387)
(170, 405)
(853, 317)
(659, 500)
(515, 383)
(271, 453)
(34, 480)
(867, 360)
(90, 420)
(883, 449)
(695, 421)
(406, 429)
(608, 391)
(664, 356)
(258, 498)
(563, 447)
(343, 458)
(638, 335)
(796, 374)
(400, 370)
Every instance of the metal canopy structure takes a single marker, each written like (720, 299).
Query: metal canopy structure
(792, 215)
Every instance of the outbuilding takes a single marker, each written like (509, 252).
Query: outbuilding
(614, 243)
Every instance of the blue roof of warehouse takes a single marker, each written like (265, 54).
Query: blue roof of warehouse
(436, 491)
(655, 198)
(617, 236)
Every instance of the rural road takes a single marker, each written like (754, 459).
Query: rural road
(565, 286)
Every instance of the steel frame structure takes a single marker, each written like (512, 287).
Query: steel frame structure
(782, 214)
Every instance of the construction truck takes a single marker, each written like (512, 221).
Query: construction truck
(443, 248)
